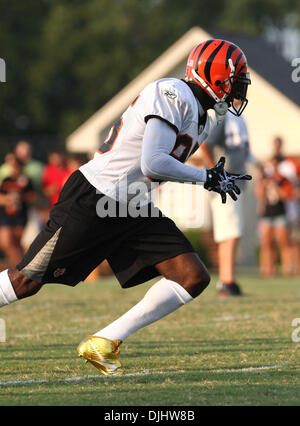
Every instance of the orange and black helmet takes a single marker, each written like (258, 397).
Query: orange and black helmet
(220, 68)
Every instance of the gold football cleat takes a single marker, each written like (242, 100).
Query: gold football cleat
(103, 354)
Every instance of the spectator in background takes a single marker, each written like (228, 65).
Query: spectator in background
(32, 168)
(272, 191)
(16, 194)
(74, 161)
(54, 175)
(230, 139)
(5, 168)
(289, 168)
(278, 148)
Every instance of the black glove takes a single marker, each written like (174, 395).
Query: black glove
(222, 182)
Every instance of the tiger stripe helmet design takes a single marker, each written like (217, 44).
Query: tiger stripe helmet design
(220, 68)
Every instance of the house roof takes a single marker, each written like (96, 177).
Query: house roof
(265, 64)
(264, 58)
(163, 65)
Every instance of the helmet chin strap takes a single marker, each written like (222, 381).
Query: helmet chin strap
(205, 86)
(220, 106)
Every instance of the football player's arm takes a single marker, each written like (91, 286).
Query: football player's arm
(157, 163)
(207, 155)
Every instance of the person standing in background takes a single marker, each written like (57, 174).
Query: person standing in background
(54, 175)
(289, 168)
(16, 195)
(73, 162)
(32, 168)
(230, 139)
(272, 191)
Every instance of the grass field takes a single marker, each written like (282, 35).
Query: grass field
(234, 351)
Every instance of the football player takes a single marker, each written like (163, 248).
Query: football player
(150, 143)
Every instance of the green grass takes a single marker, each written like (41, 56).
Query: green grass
(207, 353)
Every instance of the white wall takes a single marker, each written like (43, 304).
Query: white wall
(268, 114)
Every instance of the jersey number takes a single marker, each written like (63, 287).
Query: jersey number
(182, 147)
(111, 137)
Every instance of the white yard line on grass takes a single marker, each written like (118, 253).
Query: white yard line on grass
(142, 373)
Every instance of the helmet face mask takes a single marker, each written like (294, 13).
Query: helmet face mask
(239, 92)
(220, 68)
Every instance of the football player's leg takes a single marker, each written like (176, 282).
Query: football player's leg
(10, 246)
(102, 349)
(187, 270)
(62, 252)
(15, 286)
(185, 277)
(159, 248)
(25, 279)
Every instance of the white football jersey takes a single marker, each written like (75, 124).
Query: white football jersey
(117, 163)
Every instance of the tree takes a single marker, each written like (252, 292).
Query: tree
(67, 58)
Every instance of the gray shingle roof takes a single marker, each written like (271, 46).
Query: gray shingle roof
(263, 57)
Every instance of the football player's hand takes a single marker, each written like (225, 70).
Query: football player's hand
(223, 182)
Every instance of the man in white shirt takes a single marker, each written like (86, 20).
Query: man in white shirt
(230, 139)
(105, 212)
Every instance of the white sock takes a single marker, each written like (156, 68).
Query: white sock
(7, 292)
(160, 300)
